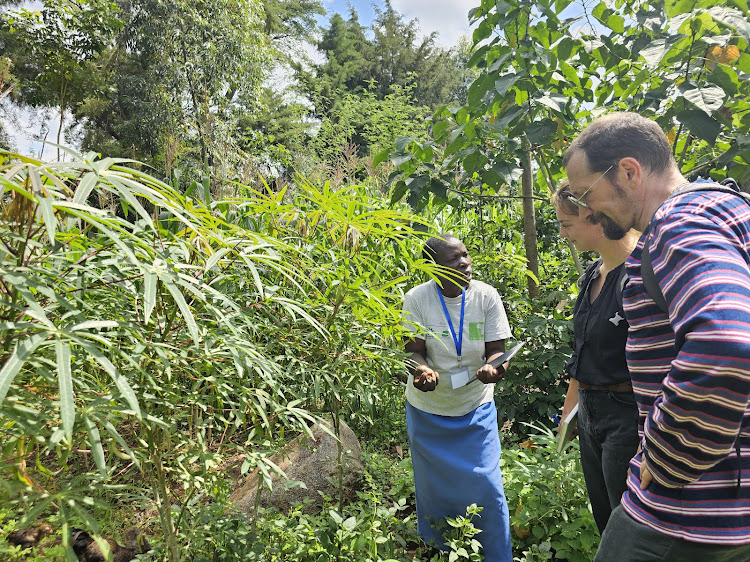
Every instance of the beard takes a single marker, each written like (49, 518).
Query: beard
(612, 230)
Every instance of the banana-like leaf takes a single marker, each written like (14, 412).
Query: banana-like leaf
(187, 314)
(95, 440)
(48, 215)
(149, 293)
(65, 381)
(16, 361)
(85, 187)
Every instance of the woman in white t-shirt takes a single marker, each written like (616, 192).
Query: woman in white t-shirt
(459, 325)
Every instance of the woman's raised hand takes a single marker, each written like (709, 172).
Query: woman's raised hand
(425, 379)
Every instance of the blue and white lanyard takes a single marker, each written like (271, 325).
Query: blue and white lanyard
(457, 340)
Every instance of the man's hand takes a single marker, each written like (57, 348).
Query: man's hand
(489, 374)
(645, 474)
(646, 477)
(425, 379)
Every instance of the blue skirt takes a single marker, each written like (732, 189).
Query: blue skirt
(456, 462)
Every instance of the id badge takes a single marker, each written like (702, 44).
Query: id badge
(460, 377)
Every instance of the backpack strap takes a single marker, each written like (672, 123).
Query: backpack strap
(621, 282)
(650, 283)
(649, 277)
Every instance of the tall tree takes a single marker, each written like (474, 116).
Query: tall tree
(346, 69)
(55, 50)
(169, 83)
(403, 57)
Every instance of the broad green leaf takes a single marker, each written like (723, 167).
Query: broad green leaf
(15, 362)
(726, 78)
(48, 216)
(512, 113)
(403, 142)
(700, 124)
(399, 159)
(639, 79)
(416, 184)
(598, 10)
(499, 62)
(440, 190)
(399, 190)
(505, 83)
(556, 102)
(381, 157)
(474, 162)
(616, 23)
(509, 171)
(541, 132)
(676, 7)
(65, 381)
(439, 129)
(708, 99)
(732, 18)
(654, 53)
(477, 55)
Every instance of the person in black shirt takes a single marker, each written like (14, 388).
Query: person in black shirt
(599, 377)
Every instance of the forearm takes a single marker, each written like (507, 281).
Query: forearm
(683, 438)
(571, 397)
(414, 361)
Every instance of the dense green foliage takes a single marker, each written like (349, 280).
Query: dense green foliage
(142, 308)
(684, 63)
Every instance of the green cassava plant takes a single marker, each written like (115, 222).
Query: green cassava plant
(148, 336)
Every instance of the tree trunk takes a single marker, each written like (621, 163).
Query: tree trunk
(529, 227)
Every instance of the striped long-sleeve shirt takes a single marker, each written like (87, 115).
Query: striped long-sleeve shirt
(691, 370)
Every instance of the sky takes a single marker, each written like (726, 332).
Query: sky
(450, 18)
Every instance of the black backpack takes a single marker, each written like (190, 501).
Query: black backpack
(729, 185)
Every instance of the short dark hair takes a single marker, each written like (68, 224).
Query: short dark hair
(560, 199)
(436, 243)
(619, 135)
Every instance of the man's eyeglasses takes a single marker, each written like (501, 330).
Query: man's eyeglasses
(579, 201)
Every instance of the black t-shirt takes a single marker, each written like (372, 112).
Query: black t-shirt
(600, 331)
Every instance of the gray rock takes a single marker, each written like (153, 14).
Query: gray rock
(309, 460)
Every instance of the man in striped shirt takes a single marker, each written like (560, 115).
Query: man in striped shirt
(689, 485)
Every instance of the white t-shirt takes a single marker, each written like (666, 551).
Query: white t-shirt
(484, 321)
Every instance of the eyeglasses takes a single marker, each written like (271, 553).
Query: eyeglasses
(579, 201)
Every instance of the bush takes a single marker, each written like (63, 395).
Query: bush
(549, 505)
